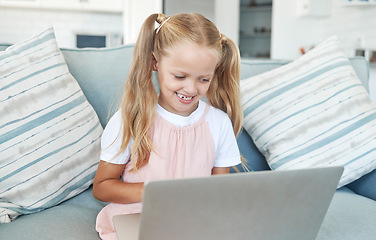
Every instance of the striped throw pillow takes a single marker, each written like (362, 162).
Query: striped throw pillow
(312, 112)
(49, 133)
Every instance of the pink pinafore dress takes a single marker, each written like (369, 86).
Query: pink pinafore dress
(180, 152)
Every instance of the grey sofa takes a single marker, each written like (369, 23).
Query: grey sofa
(101, 74)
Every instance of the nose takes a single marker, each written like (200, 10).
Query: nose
(190, 87)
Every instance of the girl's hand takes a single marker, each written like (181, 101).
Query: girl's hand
(108, 187)
(220, 170)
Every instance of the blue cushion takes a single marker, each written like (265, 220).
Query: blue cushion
(255, 161)
(365, 185)
(101, 74)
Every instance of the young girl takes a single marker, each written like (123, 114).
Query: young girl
(173, 134)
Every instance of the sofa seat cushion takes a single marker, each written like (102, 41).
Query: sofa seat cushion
(73, 219)
(350, 216)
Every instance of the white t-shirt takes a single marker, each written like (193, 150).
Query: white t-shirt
(226, 147)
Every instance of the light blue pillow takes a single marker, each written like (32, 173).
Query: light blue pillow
(49, 133)
(312, 112)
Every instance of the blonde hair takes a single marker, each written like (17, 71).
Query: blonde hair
(138, 104)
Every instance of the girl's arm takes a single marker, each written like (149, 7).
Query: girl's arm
(220, 170)
(108, 187)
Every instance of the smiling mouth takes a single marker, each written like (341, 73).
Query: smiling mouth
(183, 97)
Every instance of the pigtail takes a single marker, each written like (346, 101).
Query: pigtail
(140, 97)
(224, 90)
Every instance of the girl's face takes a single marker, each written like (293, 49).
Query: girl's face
(184, 77)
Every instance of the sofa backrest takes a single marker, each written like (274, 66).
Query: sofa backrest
(101, 74)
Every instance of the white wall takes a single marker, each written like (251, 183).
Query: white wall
(350, 24)
(135, 13)
(354, 26)
(224, 13)
(227, 18)
(291, 32)
(19, 24)
(205, 7)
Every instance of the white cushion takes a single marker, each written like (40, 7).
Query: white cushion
(49, 133)
(312, 112)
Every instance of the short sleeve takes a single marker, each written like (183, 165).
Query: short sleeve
(226, 146)
(111, 142)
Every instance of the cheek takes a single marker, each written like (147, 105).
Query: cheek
(204, 89)
(168, 84)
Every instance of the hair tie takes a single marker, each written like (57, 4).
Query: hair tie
(160, 26)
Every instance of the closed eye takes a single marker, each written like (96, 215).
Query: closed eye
(179, 76)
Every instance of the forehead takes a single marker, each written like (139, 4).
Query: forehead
(192, 56)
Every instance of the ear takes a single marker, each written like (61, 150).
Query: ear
(155, 63)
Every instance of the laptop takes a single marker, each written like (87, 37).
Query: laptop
(283, 204)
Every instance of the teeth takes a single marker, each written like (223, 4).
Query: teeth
(184, 97)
